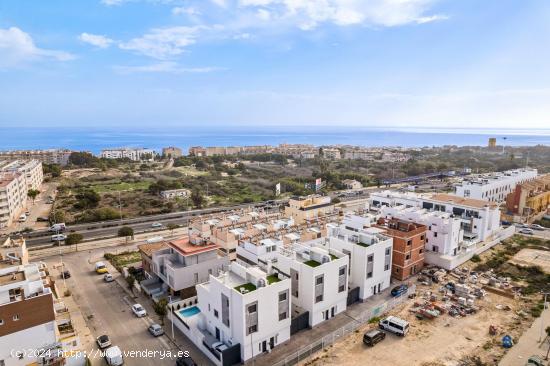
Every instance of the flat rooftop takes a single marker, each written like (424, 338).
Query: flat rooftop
(457, 200)
(12, 277)
(185, 246)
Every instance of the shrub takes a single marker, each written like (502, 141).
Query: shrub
(475, 258)
(125, 231)
(73, 238)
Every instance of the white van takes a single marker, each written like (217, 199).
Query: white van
(58, 227)
(113, 356)
(394, 325)
(155, 239)
(59, 237)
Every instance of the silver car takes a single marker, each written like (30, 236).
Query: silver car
(155, 330)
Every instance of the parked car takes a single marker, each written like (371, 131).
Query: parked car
(100, 268)
(28, 213)
(373, 337)
(59, 237)
(42, 219)
(394, 325)
(138, 310)
(58, 227)
(107, 277)
(103, 341)
(65, 274)
(399, 290)
(535, 361)
(185, 361)
(155, 329)
(23, 218)
(113, 356)
(537, 227)
(527, 231)
(156, 225)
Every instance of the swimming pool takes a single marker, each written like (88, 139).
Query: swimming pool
(187, 312)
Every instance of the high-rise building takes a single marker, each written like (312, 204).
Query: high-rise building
(492, 142)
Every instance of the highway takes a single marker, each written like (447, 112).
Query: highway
(109, 229)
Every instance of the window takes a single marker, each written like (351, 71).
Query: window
(370, 258)
(208, 307)
(282, 296)
(421, 250)
(252, 329)
(268, 249)
(409, 243)
(252, 308)
(388, 251)
(16, 317)
(342, 271)
(408, 256)
(396, 270)
(341, 288)
(386, 267)
(369, 274)
(196, 276)
(215, 313)
(319, 280)
(1, 323)
(435, 234)
(209, 272)
(422, 237)
(319, 298)
(282, 316)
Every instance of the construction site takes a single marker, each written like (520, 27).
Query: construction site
(468, 316)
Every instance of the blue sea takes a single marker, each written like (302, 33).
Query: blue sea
(93, 140)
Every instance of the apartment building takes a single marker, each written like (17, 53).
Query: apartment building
(13, 197)
(229, 150)
(319, 280)
(529, 198)
(172, 152)
(393, 198)
(409, 240)
(51, 156)
(359, 155)
(27, 315)
(134, 154)
(240, 313)
(445, 235)
(494, 187)
(175, 193)
(180, 266)
(306, 208)
(31, 169)
(331, 153)
(370, 255)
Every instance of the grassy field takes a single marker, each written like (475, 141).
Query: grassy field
(122, 186)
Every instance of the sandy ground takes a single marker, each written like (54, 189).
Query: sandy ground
(442, 341)
(533, 257)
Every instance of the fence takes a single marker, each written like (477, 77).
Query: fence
(344, 331)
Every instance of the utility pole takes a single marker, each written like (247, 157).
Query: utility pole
(119, 207)
(541, 318)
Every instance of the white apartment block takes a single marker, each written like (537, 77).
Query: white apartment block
(50, 156)
(331, 153)
(183, 264)
(240, 313)
(319, 280)
(494, 187)
(445, 234)
(27, 316)
(393, 198)
(370, 256)
(32, 169)
(135, 154)
(175, 193)
(13, 197)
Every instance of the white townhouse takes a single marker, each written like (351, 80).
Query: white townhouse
(370, 256)
(392, 198)
(239, 314)
(496, 186)
(445, 234)
(135, 154)
(319, 279)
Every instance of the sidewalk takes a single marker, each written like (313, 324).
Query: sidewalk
(529, 345)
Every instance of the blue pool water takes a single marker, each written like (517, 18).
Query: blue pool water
(186, 313)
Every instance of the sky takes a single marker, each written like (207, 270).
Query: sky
(311, 63)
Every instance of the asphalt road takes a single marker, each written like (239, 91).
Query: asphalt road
(106, 308)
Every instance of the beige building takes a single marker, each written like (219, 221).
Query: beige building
(352, 184)
(13, 197)
(51, 156)
(171, 152)
(32, 169)
(302, 209)
(331, 153)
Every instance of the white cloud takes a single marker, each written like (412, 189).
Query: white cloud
(163, 43)
(17, 47)
(181, 10)
(96, 40)
(165, 67)
(113, 2)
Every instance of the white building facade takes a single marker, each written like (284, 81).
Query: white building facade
(13, 197)
(135, 154)
(31, 169)
(494, 187)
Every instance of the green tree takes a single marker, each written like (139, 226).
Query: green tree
(197, 198)
(130, 280)
(83, 159)
(32, 193)
(125, 231)
(161, 309)
(73, 238)
(53, 169)
(171, 226)
(87, 198)
(57, 216)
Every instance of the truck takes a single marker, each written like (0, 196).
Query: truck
(113, 356)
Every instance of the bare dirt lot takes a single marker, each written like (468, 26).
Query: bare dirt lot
(442, 341)
(533, 257)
